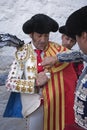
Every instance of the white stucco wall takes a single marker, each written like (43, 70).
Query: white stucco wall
(13, 13)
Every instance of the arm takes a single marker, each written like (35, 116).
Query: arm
(15, 81)
(69, 56)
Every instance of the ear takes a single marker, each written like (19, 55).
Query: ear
(62, 36)
(31, 35)
(84, 35)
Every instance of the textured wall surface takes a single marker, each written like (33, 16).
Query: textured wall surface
(13, 13)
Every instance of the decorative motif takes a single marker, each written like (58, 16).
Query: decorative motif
(32, 69)
(22, 54)
(21, 86)
(80, 105)
(22, 78)
(80, 121)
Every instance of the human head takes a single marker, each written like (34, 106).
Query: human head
(76, 24)
(68, 41)
(39, 27)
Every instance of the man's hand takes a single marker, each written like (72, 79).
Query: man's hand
(49, 61)
(42, 78)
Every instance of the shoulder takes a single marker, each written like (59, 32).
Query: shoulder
(22, 53)
(59, 47)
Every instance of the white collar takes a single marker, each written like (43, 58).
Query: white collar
(33, 45)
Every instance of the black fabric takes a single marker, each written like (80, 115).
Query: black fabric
(40, 23)
(63, 30)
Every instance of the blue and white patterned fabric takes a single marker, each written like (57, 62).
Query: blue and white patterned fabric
(80, 103)
(71, 56)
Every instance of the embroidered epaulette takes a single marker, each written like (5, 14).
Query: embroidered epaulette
(22, 53)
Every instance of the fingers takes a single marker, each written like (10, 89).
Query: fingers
(42, 78)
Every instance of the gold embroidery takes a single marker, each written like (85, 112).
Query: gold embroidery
(18, 88)
(18, 82)
(31, 68)
(30, 89)
(30, 84)
(28, 68)
(26, 53)
(33, 59)
(19, 53)
(30, 77)
(23, 89)
(23, 83)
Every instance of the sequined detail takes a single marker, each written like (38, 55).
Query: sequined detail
(22, 86)
(80, 104)
(23, 71)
